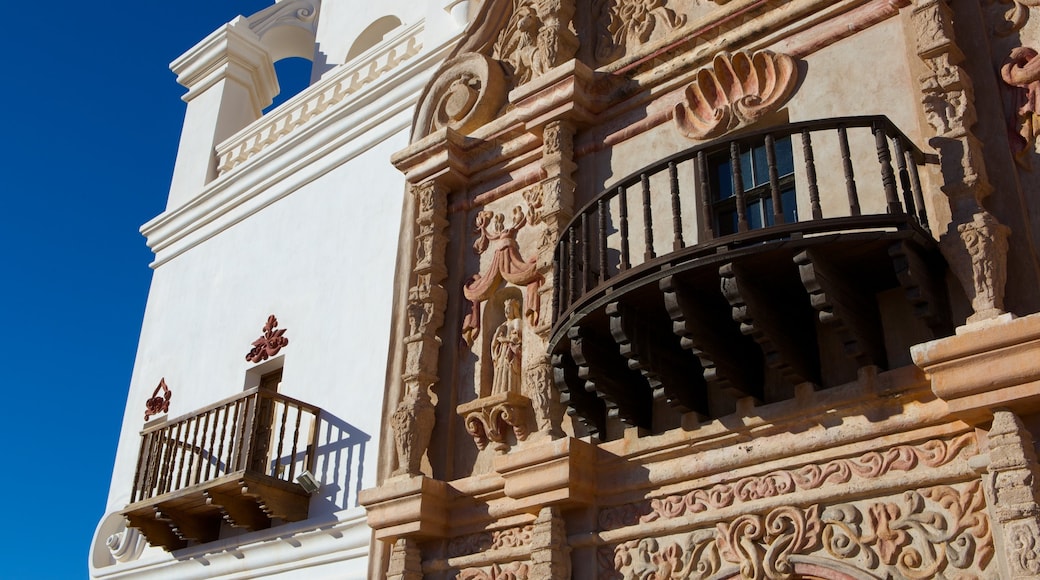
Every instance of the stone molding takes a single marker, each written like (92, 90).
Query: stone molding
(871, 465)
(326, 94)
(985, 367)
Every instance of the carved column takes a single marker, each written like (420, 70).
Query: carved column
(551, 204)
(405, 561)
(414, 417)
(975, 243)
(1013, 486)
(550, 554)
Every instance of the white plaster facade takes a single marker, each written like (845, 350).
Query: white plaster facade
(294, 213)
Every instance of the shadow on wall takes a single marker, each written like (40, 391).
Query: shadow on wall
(339, 466)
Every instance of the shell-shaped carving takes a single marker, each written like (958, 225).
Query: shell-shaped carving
(736, 90)
(469, 92)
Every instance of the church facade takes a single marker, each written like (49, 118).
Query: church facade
(599, 289)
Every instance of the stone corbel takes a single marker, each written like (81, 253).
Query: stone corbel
(560, 472)
(490, 419)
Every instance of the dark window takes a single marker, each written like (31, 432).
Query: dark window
(758, 200)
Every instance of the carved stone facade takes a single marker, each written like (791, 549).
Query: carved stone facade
(687, 338)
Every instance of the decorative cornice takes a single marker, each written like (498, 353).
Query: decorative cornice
(322, 96)
(378, 111)
(232, 51)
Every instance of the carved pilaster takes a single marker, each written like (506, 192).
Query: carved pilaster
(1013, 480)
(975, 244)
(405, 561)
(413, 419)
(550, 554)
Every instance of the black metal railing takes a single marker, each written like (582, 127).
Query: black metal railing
(595, 250)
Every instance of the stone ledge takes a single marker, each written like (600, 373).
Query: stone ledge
(407, 506)
(560, 472)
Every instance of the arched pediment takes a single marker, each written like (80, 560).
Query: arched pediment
(287, 29)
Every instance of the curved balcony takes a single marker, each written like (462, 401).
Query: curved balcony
(745, 268)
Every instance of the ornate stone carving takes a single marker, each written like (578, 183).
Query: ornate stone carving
(1013, 479)
(1013, 15)
(985, 240)
(490, 419)
(874, 464)
(158, 403)
(539, 381)
(514, 571)
(536, 38)
(735, 91)
(414, 417)
(467, 93)
(507, 350)
(1021, 72)
(938, 532)
(625, 24)
(269, 343)
(405, 561)
(412, 423)
(506, 265)
(496, 540)
(550, 553)
(949, 107)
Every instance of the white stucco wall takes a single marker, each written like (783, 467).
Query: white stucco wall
(306, 228)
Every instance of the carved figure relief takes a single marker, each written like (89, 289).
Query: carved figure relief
(938, 532)
(506, 265)
(269, 343)
(412, 424)
(519, 44)
(735, 91)
(506, 350)
(158, 403)
(624, 24)
(1021, 72)
(986, 241)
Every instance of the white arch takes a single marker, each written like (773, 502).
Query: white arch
(373, 34)
(287, 28)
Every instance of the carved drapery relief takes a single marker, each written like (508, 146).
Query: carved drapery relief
(938, 532)
(1021, 72)
(735, 91)
(1013, 477)
(158, 403)
(949, 107)
(904, 458)
(507, 265)
(413, 419)
(625, 24)
(513, 571)
(269, 343)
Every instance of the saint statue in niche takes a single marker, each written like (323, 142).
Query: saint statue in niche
(506, 350)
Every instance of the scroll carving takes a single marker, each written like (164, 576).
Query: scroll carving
(1021, 72)
(126, 545)
(467, 93)
(735, 91)
(624, 24)
(938, 532)
(904, 458)
(507, 265)
(158, 403)
(490, 419)
(514, 571)
(269, 343)
(496, 540)
(1014, 15)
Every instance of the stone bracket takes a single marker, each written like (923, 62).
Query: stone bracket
(560, 472)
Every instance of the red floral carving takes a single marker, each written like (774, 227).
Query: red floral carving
(269, 343)
(158, 403)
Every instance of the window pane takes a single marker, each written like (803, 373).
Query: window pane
(754, 214)
(761, 166)
(723, 178)
(787, 197)
(746, 171)
(784, 157)
(727, 222)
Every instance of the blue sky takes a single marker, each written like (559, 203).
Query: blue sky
(93, 117)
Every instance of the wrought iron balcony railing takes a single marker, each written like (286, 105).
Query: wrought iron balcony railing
(234, 461)
(744, 268)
